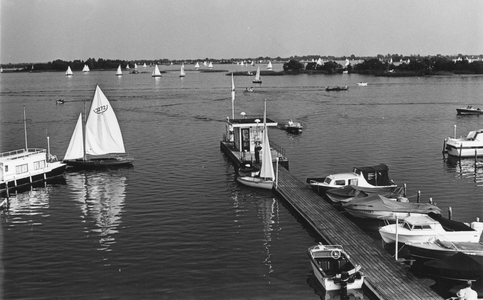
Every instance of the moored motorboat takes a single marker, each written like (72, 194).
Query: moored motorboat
(469, 110)
(363, 178)
(293, 127)
(337, 88)
(436, 248)
(349, 193)
(379, 207)
(419, 229)
(361, 83)
(458, 267)
(469, 146)
(334, 269)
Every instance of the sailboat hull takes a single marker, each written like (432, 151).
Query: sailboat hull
(99, 163)
(256, 182)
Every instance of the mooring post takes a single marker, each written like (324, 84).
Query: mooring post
(404, 190)
(450, 213)
(430, 200)
(454, 135)
(418, 199)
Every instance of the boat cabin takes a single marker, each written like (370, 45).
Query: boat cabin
(246, 133)
(21, 163)
(375, 175)
(475, 135)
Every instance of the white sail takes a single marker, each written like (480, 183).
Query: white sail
(210, 65)
(76, 144)
(86, 69)
(144, 66)
(269, 66)
(266, 171)
(69, 71)
(156, 72)
(197, 66)
(135, 66)
(257, 76)
(103, 134)
(127, 67)
(119, 71)
(182, 73)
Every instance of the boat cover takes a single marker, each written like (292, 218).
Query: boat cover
(380, 203)
(375, 175)
(450, 225)
(460, 265)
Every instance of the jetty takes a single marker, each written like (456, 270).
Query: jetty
(385, 277)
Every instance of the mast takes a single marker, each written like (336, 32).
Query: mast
(25, 128)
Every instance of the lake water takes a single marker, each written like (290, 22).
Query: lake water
(177, 225)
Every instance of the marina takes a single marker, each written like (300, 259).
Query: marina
(140, 224)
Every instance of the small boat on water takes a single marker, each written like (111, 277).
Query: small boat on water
(69, 72)
(60, 101)
(119, 71)
(270, 66)
(293, 127)
(361, 83)
(29, 165)
(468, 146)
(418, 229)
(103, 145)
(182, 73)
(156, 72)
(469, 110)
(372, 179)
(257, 77)
(265, 177)
(436, 248)
(197, 66)
(86, 69)
(333, 268)
(337, 88)
(379, 207)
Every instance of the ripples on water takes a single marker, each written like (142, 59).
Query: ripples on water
(177, 224)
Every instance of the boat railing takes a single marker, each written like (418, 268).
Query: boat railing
(280, 150)
(20, 153)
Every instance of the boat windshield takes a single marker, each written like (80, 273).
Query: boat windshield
(327, 180)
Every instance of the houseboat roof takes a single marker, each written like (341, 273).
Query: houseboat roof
(250, 122)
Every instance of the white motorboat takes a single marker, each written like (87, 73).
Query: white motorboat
(362, 83)
(102, 145)
(439, 249)
(293, 127)
(469, 110)
(379, 207)
(265, 177)
(333, 268)
(418, 229)
(364, 178)
(468, 146)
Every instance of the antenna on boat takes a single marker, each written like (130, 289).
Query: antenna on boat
(25, 127)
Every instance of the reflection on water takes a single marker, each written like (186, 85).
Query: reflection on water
(267, 210)
(100, 197)
(465, 168)
(23, 205)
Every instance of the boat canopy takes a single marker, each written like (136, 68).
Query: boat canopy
(375, 175)
(381, 203)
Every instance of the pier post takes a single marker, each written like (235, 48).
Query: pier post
(397, 238)
(450, 213)
(404, 189)
(430, 200)
(454, 135)
(418, 199)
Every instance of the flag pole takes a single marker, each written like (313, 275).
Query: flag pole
(232, 97)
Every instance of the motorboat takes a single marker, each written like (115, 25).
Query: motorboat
(418, 229)
(293, 127)
(468, 146)
(379, 207)
(363, 178)
(361, 83)
(337, 88)
(469, 110)
(29, 165)
(458, 267)
(349, 193)
(103, 145)
(333, 268)
(60, 101)
(436, 248)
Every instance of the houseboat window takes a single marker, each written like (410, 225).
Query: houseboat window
(39, 164)
(22, 169)
(340, 182)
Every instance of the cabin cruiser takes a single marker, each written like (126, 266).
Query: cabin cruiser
(293, 127)
(470, 146)
(417, 229)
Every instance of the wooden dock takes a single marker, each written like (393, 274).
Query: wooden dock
(385, 278)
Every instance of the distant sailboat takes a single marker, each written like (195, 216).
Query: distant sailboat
(127, 66)
(197, 66)
(269, 66)
(144, 66)
(86, 69)
(119, 71)
(103, 143)
(156, 72)
(266, 176)
(257, 77)
(182, 73)
(210, 65)
(68, 72)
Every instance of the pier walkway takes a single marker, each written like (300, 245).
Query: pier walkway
(385, 278)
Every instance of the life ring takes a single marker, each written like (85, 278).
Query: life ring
(335, 254)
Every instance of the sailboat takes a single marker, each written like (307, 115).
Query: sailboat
(210, 65)
(127, 66)
(119, 71)
(144, 66)
(269, 66)
(197, 66)
(135, 71)
(156, 72)
(182, 73)
(257, 77)
(265, 177)
(68, 72)
(102, 144)
(86, 69)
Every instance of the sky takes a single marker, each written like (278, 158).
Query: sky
(33, 31)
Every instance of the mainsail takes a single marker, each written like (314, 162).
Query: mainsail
(266, 170)
(119, 71)
(257, 76)
(182, 73)
(69, 71)
(156, 72)
(86, 68)
(103, 134)
(269, 66)
(76, 144)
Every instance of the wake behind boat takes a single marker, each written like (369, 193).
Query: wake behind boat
(103, 145)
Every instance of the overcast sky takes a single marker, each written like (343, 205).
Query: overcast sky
(45, 30)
